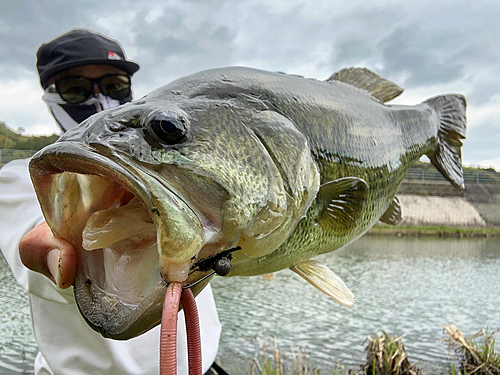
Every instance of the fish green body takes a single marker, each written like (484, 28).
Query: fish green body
(350, 134)
(273, 168)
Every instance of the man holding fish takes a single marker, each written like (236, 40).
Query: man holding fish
(230, 171)
(81, 73)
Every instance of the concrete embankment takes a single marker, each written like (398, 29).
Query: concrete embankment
(438, 203)
(456, 211)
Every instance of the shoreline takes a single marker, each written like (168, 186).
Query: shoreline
(433, 231)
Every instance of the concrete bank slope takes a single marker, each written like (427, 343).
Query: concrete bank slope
(439, 203)
(432, 210)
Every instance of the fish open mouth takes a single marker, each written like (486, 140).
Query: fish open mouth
(118, 222)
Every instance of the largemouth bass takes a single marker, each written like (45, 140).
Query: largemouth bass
(236, 170)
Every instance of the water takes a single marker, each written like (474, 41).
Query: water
(406, 286)
(17, 344)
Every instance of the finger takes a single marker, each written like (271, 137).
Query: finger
(53, 257)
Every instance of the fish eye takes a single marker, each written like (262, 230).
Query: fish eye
(169, 130)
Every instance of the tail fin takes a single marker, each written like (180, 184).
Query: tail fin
(447, 156)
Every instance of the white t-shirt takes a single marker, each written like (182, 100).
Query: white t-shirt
(67, 344)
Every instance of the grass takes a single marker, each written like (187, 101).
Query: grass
(278, 362)
(386, 355)
(477, 354)
(437, 231)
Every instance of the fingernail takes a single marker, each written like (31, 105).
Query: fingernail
(53, 264)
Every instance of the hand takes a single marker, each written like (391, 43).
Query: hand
(53, 257)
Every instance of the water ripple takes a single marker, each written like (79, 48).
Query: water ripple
(407, 287)
(17, 344)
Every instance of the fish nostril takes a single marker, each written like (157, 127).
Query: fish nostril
(116, 127)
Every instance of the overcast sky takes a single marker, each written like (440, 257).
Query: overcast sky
(427, 47)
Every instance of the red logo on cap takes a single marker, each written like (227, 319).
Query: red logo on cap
(113, 56)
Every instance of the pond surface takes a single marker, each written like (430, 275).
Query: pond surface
(17, 344)
(406, 286)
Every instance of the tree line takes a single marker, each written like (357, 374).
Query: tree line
(12, 140)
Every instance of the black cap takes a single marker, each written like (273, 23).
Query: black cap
(80, 47)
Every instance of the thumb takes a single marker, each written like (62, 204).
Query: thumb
(53, 257)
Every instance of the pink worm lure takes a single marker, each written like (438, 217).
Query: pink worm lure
(168, 335)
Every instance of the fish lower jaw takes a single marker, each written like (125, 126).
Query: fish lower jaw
(174, 271)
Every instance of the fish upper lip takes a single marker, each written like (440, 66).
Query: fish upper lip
(50, 160)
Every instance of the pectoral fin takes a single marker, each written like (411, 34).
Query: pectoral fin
(323, 279)
(392, 215)
(342, 202)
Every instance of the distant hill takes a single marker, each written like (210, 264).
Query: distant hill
(12, 140)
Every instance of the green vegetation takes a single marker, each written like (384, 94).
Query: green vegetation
(9, 139)
(437, 231)
(386, 355)
(279, 363)
(475, 357)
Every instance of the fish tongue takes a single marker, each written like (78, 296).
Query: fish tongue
(107, 227)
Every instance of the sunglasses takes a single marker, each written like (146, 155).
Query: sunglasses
(79, 89)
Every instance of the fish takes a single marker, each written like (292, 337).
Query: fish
(236, 172)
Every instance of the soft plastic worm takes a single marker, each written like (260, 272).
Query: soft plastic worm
(193, 332)
(168, 338)
(168, 335)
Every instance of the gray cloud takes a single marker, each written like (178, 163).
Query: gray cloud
(483, 92)
(352, 51)
(179, 45)
(416, 44)
(483, 141)
(424, 43)
(25, 25)
(425, 57)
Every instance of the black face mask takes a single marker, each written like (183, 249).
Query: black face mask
(69, 115)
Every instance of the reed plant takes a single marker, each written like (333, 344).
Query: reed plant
(477, 354)
(386, 355)
(274, 361)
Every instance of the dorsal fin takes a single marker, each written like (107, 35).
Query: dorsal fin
(325, 280)
(367, 80)
(392, 215)
(342, 202)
